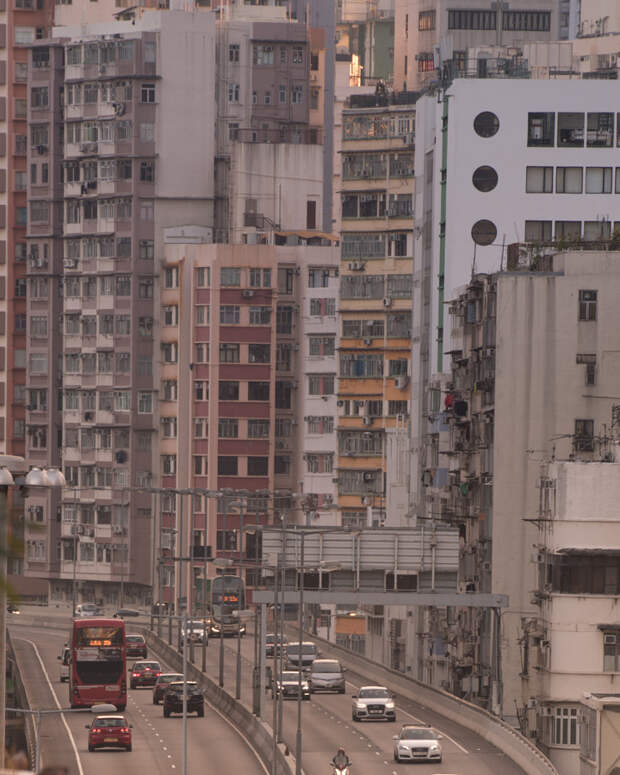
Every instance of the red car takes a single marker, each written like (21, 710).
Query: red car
(144, 674)
(109, 732)
(135, 646)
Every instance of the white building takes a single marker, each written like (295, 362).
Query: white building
(520, 163)
(578, 640)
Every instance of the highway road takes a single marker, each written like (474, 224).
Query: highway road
(327, 724)
(214, 746)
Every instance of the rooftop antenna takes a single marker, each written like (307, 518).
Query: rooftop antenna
(473, 263)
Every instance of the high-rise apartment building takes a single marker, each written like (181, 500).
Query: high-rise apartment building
(376, 273)
(554, 188)
(441, 31)
(250, 405)
(121, 144)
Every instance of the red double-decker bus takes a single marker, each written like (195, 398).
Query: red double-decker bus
(98, 672)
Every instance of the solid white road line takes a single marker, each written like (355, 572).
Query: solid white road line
(58, 705)
(415, 718)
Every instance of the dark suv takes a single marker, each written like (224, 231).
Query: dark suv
(173, 699)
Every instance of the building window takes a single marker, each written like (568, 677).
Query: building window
(297, 95)
(262, 54)
(145, 402)
(229, 353)
(228, 428)
(202, 315)
(484, 179)
(539, 180)
(570, 130)
(230, 277)
(326, 307)
(229, 314)
(361, 365)
(318, 278)
(564, 730)
(587, 305)
(472, 20)
(284, 320)
(598, 180)
(320, 463)
(201, 390)
(259, 353)
(567, 230)
(233, 52)
(526, 21)
(540, 129)
(537, 231)
(595, 231)
(228, 390)
(267, 98)
(584, 436)
(147, 171)
(39, 97)
(227, 465)
(322, 345)
(258, 466)
(168, 465)
(282, 92)
(611, 652)
(147, 93)
(321, 384)
(426, 62)
(426, 21)
(398, 407)
(600, 130)
(298, 55)
(258, 391)
(484, 232)
(260, 316)
(258, 429)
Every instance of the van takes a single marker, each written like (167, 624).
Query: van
(301, 655)
(65, 661)
(326, 675)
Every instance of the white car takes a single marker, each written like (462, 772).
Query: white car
(65, 661)
(373, 702)
(86, 610)
(417, 743)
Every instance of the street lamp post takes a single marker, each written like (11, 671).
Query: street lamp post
(36, 477)
(301, 638)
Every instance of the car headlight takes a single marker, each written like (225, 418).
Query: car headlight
(360, 706)
(389, 705)
(435, 747)
(402, 747)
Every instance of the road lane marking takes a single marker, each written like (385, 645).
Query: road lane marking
(58, 705)
(419, 720)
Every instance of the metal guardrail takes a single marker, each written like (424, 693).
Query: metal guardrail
(513, 744)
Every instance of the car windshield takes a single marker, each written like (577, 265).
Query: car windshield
(418, 734)
(147, 666)
(169, 678)
(178, 687)
(326, 667)
(113, 721)
(376, 694)
(291, 676)
(134, 639)
(306, 648)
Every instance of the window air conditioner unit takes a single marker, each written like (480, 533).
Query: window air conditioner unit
(367, 341)
(387, 301)
(356, 266)
(401, 383)
(367, 420)
(89, 416)
(609, 640)
(247, 293)
(369, 476)
(70, 263)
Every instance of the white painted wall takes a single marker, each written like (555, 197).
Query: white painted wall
(508, 205)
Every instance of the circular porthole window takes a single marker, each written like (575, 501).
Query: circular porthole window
(484, 178)
(483, 232)
(486, 124)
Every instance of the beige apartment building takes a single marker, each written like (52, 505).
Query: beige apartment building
(437, 33)
(375, 175)
(523, 392)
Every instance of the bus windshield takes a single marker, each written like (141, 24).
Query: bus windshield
(98, 636)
